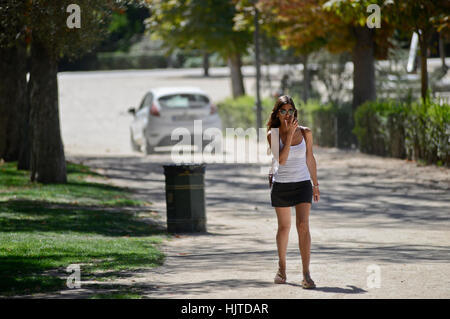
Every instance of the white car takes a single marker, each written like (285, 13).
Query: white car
(164, 109)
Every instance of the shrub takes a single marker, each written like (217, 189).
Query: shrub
(241, 112)
(418, 131)
(428, 132)
(321, 119)
(331, 124)
(379, 127)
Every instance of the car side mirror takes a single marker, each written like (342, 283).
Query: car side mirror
(132, 110)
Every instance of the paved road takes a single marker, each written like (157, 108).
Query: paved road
(93, 105)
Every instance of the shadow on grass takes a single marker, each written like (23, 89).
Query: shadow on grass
(22, 274)
(40, 216)
(39, 239)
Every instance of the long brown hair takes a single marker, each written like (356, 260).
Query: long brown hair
(274, 121)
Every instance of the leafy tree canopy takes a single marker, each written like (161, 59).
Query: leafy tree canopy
(198, 24)
(46, 21)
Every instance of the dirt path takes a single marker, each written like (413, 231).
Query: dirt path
(376, 215)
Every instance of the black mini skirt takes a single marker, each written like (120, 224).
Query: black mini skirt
(291, 194)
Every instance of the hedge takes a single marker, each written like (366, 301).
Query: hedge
(416, 130)
(241, 112)
(120, 61)
(322, 119)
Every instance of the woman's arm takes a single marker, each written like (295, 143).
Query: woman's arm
(284, 152)
(310, 159)
(311, 163)
(292, 124)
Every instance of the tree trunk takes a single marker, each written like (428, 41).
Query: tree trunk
(306, 79)
(23, 162)
(205, 64)
(237, 81)
(424, 37)
(363, 67)
(47, 152)
(442, 50)
(11, 98)
(5, 100)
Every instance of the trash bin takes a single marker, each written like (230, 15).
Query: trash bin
(185, 197)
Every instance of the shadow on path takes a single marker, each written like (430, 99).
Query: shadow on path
(351, 197)
(335, 290)
(357, 193)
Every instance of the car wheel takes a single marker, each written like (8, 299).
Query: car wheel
(134, 146)
(148, 148)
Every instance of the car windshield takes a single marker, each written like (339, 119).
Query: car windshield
(183, 101)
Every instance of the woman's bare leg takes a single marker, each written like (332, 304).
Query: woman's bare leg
(304, 236)
(284, 226)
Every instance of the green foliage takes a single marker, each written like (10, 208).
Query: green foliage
(425, 18)
(125, 27)
(353, 12)
(198, 24)
(427, 130)
(418, 131)
(320, 118)
(46, 22)
(422, 15)
(298, 24)
(331, 124)
(379, 127)
(241, 112)
(48, 25)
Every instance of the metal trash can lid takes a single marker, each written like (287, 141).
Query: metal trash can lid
(175, 169)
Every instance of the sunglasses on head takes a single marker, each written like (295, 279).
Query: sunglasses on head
(290, 111)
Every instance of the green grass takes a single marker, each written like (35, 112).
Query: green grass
(45, 228)
(16, 184)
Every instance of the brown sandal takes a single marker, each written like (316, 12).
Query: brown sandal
(280, 278)
(307, 282)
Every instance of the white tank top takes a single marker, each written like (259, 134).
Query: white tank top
(295, 168)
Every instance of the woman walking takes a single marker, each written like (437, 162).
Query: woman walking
(291, 182)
